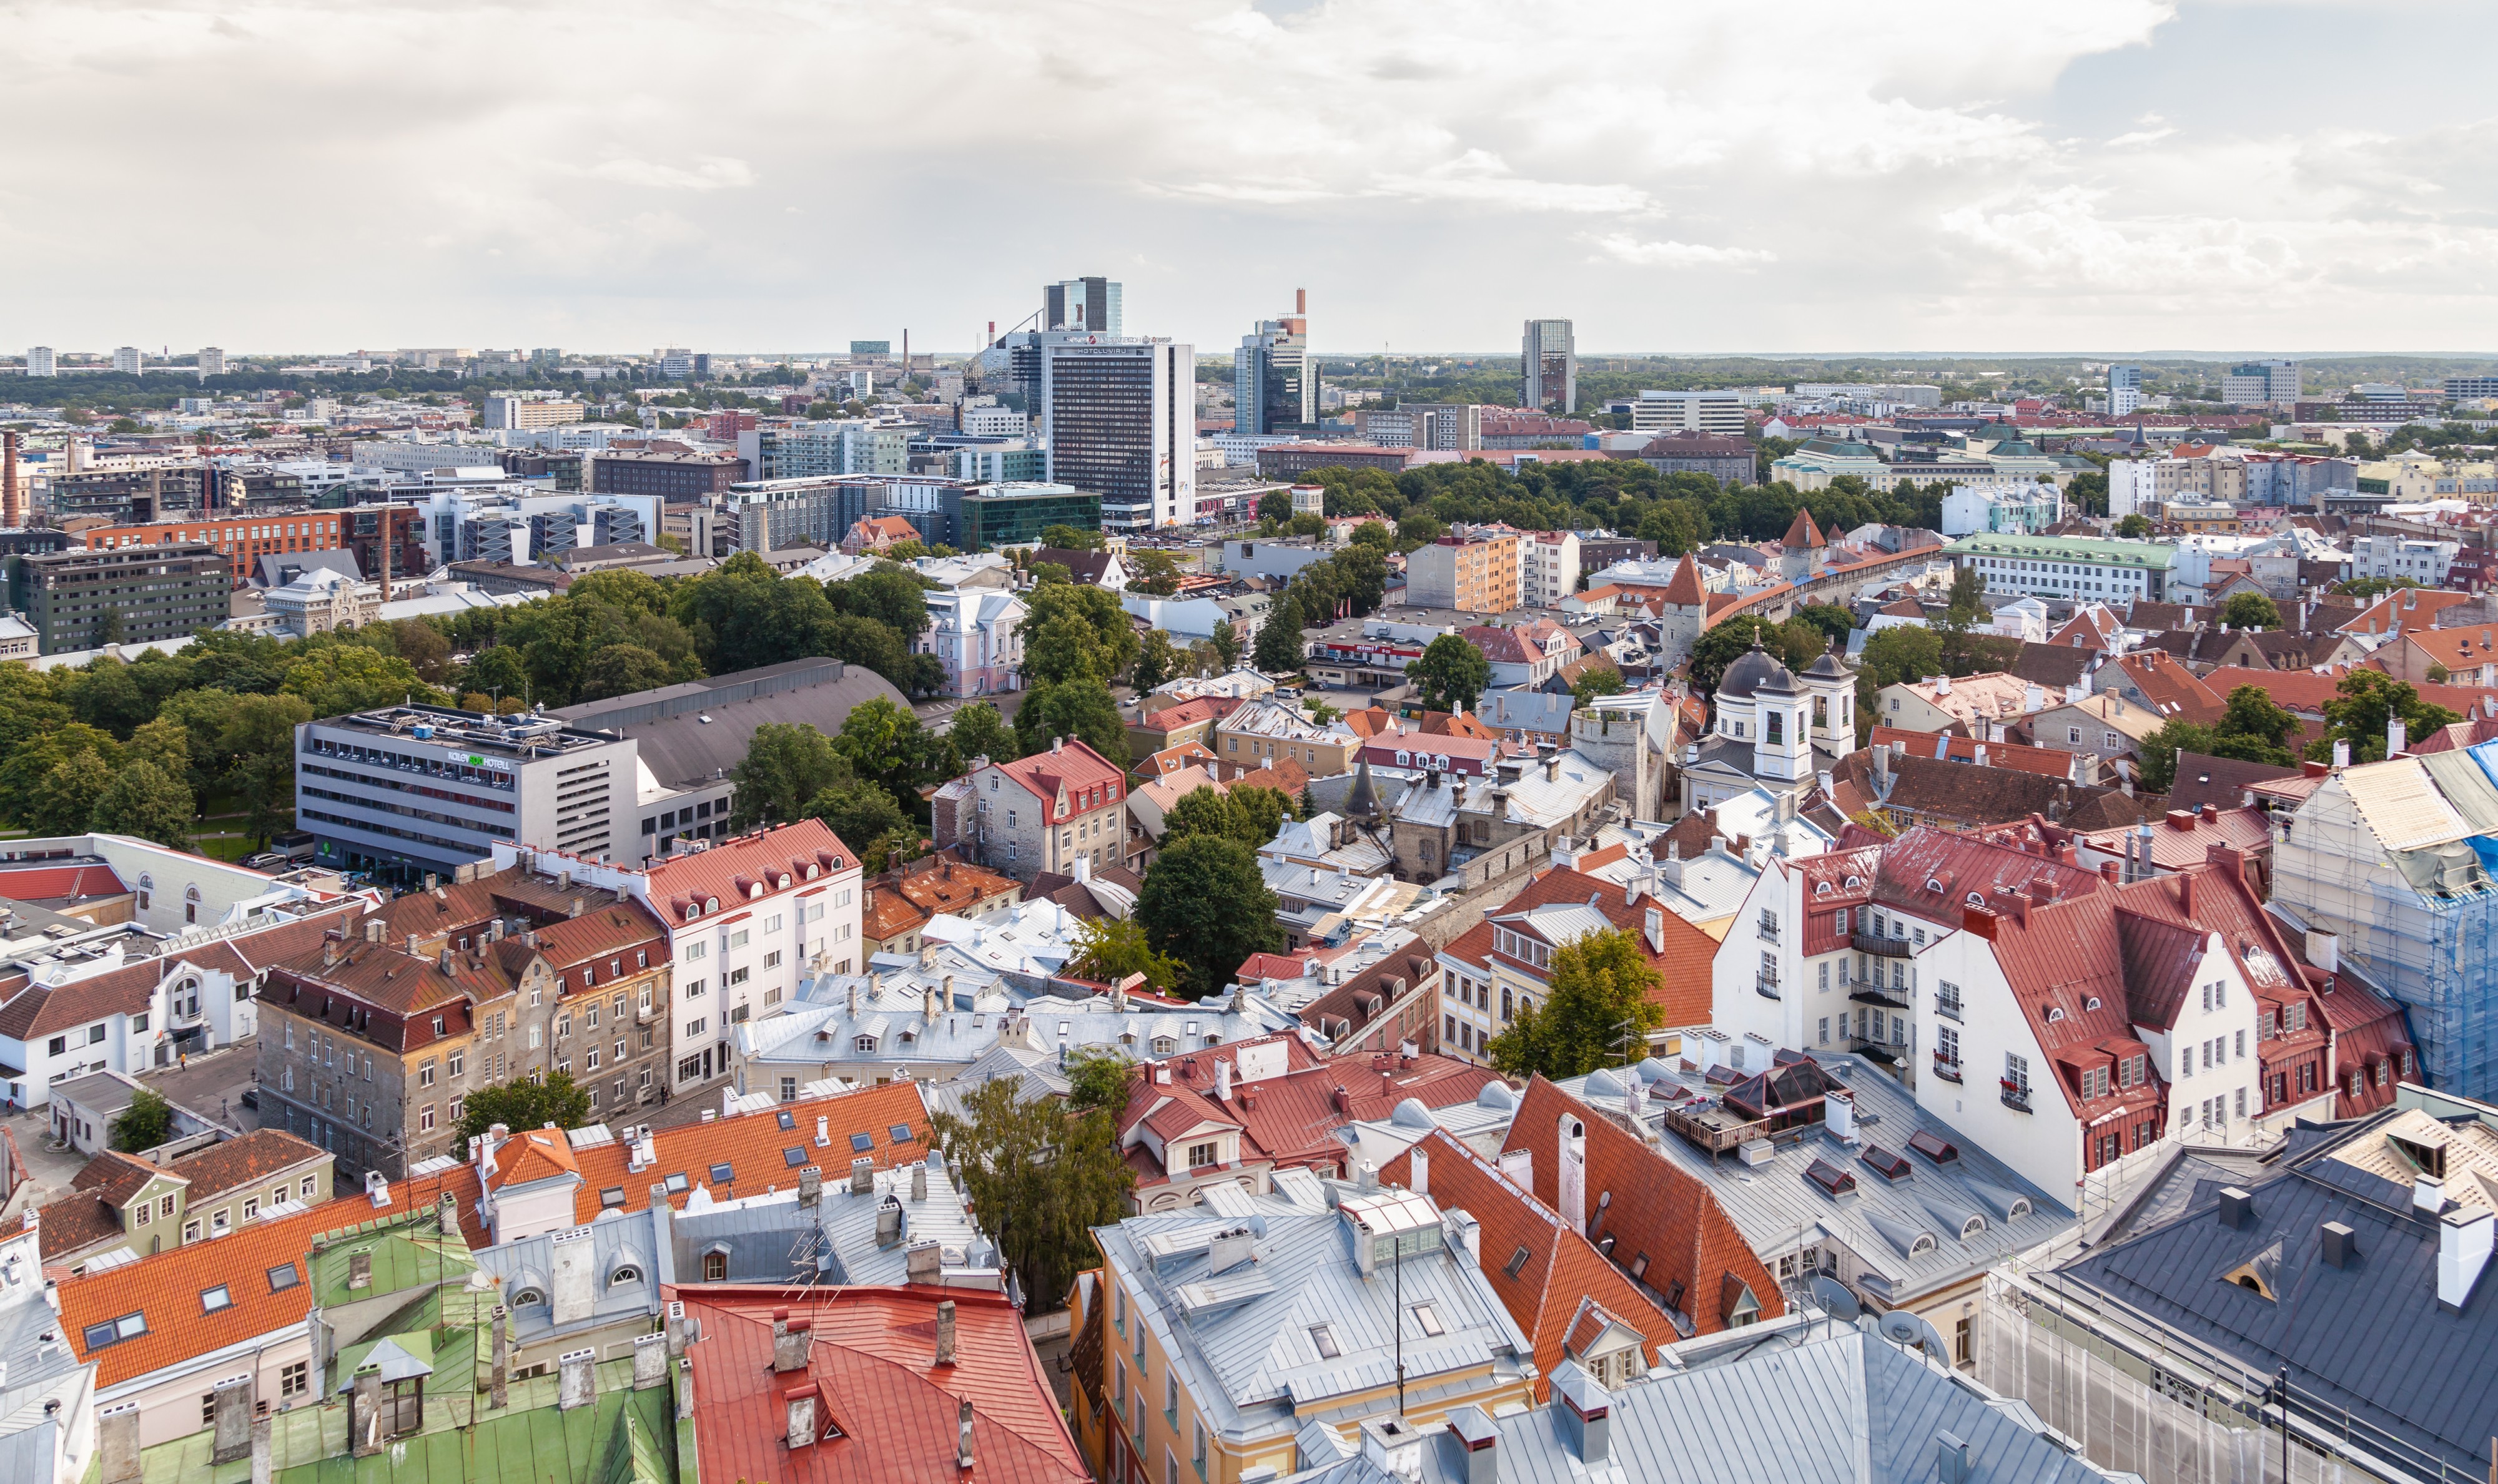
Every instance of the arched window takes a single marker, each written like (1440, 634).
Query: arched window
(527, 1297)
(191, 904)
(627, 1273)
(147, 891)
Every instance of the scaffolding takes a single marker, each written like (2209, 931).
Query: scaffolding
(2132, 1400)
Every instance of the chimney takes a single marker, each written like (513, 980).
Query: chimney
(360, 1270)
(2393, 735)
(650, 1360)
(2428, 1195)
(2341, 755)
(499, 1384)
(1586, 1413)
(363, 1415)
(1222, 1081)
(2337, 1244)
(230, 1420)
(576, 1379)
(1951, 1458)
(1421, 1172)
(810, 1186)
(2463, 1248)
(2186, 893)
(116, 1437)
(863, 1175)
(922, 1263)
(963, 1435)
(2325, 950)
(1481, 1441)
(790, 1338)
(263, 1464)
(2238, 1208)
(888, 1222)
(798, 1429)
(946, 1332)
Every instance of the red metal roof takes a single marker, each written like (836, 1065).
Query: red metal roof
(872, 1364)
(747, 868)
(1069, 765)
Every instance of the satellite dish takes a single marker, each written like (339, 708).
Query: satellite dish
(1834, 1298)
(1903, 1328)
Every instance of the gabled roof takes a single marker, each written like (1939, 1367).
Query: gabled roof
(748, 866)
(2171, 689)
(1661, 1222)
(1070, 764)
(1543, 1270)
(871, 1364)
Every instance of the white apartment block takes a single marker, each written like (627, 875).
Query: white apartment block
(1699, 412)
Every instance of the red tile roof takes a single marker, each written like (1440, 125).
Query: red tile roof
(2045, 761)
(1069, 768)
(1685, 589)
(2173, 690)
(747, 868)
(59, 883)
(1802, 534)
(1682, 965)
(870, 1364)
(1540, 1266)
(756, 1147)
(2407, 607)
(1663, 1221)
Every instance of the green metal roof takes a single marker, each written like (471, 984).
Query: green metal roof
(405, 1255)
(2090, 549)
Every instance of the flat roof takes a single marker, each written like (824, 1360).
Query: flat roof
(526, 736)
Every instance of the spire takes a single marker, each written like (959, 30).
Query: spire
(1685, 589)
(1363, 802)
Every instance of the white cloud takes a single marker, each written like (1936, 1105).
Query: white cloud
(617, 172)
(1623, 247)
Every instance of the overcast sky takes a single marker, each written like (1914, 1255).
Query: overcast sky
(1988, 175)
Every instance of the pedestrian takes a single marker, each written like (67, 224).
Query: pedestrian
(184, 1058)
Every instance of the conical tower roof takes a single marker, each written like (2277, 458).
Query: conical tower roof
(1363, 802)
(1685, 589)
(1803, 534)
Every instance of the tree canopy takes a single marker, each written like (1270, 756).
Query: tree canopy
(1451, 672)
(521, 1104)
(1597, 1012)
(1205, 903)
(1039, 1177)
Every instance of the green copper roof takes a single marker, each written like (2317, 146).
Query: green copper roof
(408, 1254)
(2090, 549)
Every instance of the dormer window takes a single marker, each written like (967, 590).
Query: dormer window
(865, 1045)
(1165, 1046)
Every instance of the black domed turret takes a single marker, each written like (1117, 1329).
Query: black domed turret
(1830, 667)
(1746, 673)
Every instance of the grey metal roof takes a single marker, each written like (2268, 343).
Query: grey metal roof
(822, 1029)
(1254, 1364)
(1791, 1403)
(2370, 1340)
(685, 748)
(1962, 1205)
(628, 1263)
(773, 1238)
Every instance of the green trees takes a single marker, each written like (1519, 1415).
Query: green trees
(146, 1123)
(522, 1104)
(1249, 814)
(2134, 527)
(1155, 574)
(1041, 1177)
(1205, 905)
(1598, 1013)
(144, 802)
(1156, 661)
(339, 678)
(1113, 948)
(1596, 680)
(1081, 709)
(2250, 611)
(2252, 729)
(979, 730)
(1451, 672)
(1098, 1079)
(742, 614)
(1075, 640)
(786, 765)
(1280, 649)
(2364, 702)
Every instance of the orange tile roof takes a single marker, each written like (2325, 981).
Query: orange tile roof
(1686, 590)
(1539, 1266)
(1662, 1220)
(1171, 760)
(532, 1155)
(755, 1147)
(2405, 608)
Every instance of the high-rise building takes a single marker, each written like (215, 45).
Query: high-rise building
(546, 355)
(530, 412)
(676, 363)
(2260, 382)
(1082, 303)
(1119, 418)
(1688, 412)
(1550, 355)
(40, 362)
(127, 362)
(1274, 389)
(2124, 390)
(213, 361)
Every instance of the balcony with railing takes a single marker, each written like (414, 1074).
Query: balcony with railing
(2016, 1094)
(1767, 982)
(1946, 1068)
(1948, 1005)
(1864, 940)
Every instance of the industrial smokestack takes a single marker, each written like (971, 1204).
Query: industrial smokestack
(10, 514)
(1300, 300)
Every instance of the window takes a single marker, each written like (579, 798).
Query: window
(294, 1380)
(213, 1298)
(115, 1331)
(1428, 1319)
(424, 1117)
(425, 1073)
(250, 1207)
(1201, 1155)
(457, 1062)
(1323, 1336)
(1517, 1263)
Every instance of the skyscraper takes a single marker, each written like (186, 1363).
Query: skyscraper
(212, 362)
(2259, 382)
(2124, 390)
(40, 363)
(127, 361)
(1082, 303)
(1274, 389)
(1119, 418)
(1550, 356)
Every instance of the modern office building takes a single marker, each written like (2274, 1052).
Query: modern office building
(41, 362)
(530, 412)
(2457, 387)
(676, 363)
(2258, 383)
(136, 595)
(1549, 358)
(669, 476)
(2123, 390)
(830, 445)
(212, 362)
(1082, 303)
(1119, 418)
(1688, 412)
(1274, 389)
(127, 361)
(1451, 425)
(416, 789)
(1001, 514)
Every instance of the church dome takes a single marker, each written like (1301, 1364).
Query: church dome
(1746, 674)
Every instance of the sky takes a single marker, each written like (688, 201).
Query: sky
(2118, 176)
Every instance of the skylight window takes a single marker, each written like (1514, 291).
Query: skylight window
(1934, 1147)
(723, 1174)
(899, 1133)
(213, 1298)
(788, 1120)
(612, 1197)
(1517, 1263)
(115, 1331)
(1428, 1319)
(794, 1155)
(1884, 1162)
(1833, 1181)
(861, 1143)
(675, 1184)
(283, 1277)
(1321, 1335)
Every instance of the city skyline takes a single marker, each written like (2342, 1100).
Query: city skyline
(1986, 177)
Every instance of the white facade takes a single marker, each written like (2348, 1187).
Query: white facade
(1701, 412)
(995, 422)
(41, 362)
(2425, 563)
(213, 361)
(1550, 569)
(127, 361)
(2124, 390)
